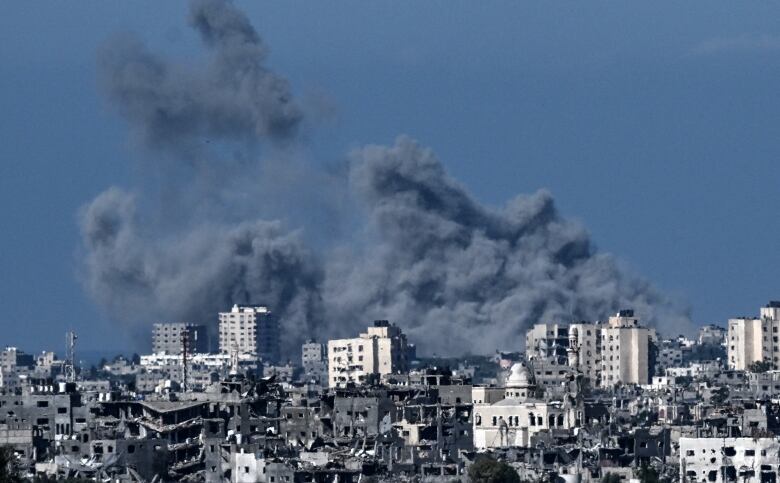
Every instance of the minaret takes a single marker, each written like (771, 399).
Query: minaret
(573, 351)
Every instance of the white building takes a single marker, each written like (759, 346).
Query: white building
(625, 350)
(720, 460)
(381, 350)
(752, 339)
(249, 330)
(517, 415)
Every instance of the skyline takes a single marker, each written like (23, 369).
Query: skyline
(660, 257)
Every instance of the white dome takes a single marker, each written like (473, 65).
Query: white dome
(518, 376)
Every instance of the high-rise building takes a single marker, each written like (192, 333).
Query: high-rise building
(381, 350)
(584, 351)
(625, 350)
(755, 339)
(168, 338)
(249, 329)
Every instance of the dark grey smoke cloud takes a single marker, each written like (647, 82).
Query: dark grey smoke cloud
(143, 277)
(459, 276)
(178, 109)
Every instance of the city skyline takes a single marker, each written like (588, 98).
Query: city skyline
(649, 163)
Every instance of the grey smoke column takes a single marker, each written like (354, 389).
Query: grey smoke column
(184, 256)
(461, 276)
(194, 275)
(176, 109)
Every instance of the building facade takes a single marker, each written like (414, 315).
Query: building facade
(625, 350)
(755, 339)
(314, 359)
(729, 459)
(547, 341)
(382, 349)
(168, 338)
(249, 329)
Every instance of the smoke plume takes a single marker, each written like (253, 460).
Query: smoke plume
(457, 275)
(175, 109)
(462, 276)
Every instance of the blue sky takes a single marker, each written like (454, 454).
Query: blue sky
(655, 124)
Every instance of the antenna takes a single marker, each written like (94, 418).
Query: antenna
(70, 356)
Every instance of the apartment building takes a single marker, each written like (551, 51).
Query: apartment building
(382, 349)
(547, 341)
(168, 338)
(605, 353)
(755, 339)
(249, 329)
(314, 359)
(625, 350)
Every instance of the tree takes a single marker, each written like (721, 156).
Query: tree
(719, 395)
(759, 366)
(648, 474)
(10, 472)
(488, 470)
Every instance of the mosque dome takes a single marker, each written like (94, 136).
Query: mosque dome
(518, 376)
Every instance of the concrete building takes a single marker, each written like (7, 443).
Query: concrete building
(729, 459)
(547, 341)
(314, 359)
(755, 339)
(670, 354)
(625, 350)
(584, 351)
(249, 329)
(381, 350)
(12, 359)
(168, 338)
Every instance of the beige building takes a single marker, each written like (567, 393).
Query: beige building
(249, 329)
(381, 350)
(752, 339)
(625, 347)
